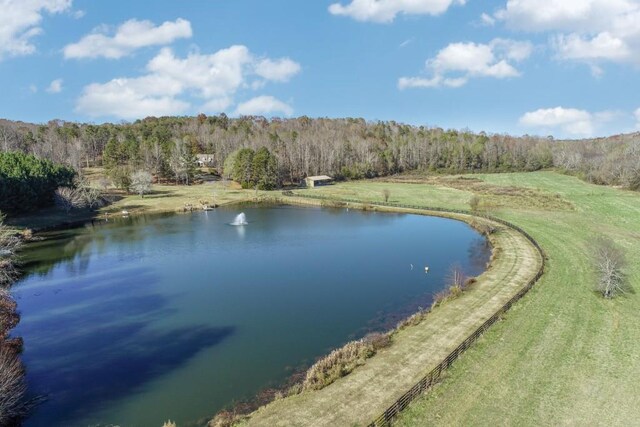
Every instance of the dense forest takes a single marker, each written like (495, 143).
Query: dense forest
(294, 148)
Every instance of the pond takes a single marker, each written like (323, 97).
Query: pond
(144, 319)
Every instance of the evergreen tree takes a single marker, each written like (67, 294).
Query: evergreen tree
(265, 169)
(229, 164)
(28, 183)
(243, 168)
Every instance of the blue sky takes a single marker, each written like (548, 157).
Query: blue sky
(567, 68)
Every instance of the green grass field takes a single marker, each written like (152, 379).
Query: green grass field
(564, 355)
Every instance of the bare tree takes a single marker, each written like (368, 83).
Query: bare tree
(91, 196)
(141, 182)
(610, 262)
(474, 203)
(386, 193)
(67, 198)
(81, 197)
(456, 276)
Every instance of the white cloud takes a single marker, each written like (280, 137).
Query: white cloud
(55, 86)
(637, 116)
(487, 20)
(588, 31)
(170, 82)
(263, 106)
(386, 10)
(406, 43)
(455, 64)
(210, 76)
(217, 105)
(33, 88)
(128, 37)
(602, 46)
(131, 98)
(19, 23)
(280, 70)
(570, 121)
(544, 15)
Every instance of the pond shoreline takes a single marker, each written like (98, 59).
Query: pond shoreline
(298, 201)
(280, 412)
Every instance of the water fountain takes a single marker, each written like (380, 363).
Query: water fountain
(240, 219)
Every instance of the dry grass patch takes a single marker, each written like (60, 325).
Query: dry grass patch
(337, 364)
(490, 196)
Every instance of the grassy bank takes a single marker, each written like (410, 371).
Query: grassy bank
(163, 198)
(564, 355)
(371, 388)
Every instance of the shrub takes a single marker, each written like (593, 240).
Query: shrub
(28, 183)
(386, 193)
(67, 198)
(483, 227)
(226, 419)
(13, 388)
(474, 203)
(328, 203)
(9, 317)
(9, 245)
(294, 389)
(337, 364)
(81, 197)
(378, 340)
(469, 282)
(459, 284)
(412, 320)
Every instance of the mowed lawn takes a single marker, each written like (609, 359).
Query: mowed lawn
(163, 198)
(563, 355)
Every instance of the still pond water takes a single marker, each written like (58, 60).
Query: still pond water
(139, 320)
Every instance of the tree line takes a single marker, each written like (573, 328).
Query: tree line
(348, 148)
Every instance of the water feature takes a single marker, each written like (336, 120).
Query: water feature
(144, 319)
(240, 219)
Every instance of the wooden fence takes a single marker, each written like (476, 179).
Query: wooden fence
(428, 380)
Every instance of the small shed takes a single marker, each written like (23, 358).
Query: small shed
(204, 159)
(317, 181)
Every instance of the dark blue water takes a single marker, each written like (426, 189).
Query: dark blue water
(140, 320)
